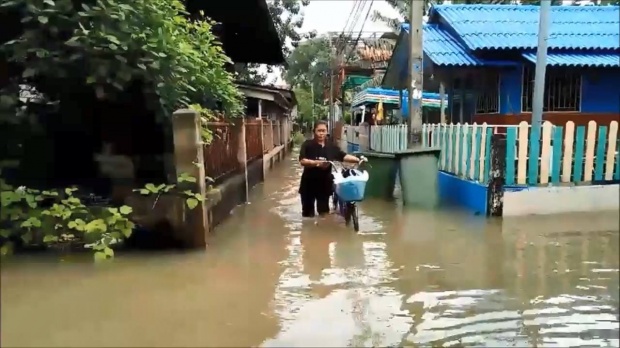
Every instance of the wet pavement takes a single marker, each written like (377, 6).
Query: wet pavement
(409, 278)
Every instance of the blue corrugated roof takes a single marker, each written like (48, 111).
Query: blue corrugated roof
(444, 50)
(516, 26)
(589, 59)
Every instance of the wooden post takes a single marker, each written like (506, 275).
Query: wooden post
(462, 97)
(442, 102)
(189, 158)
(497, 176)
(451, 94)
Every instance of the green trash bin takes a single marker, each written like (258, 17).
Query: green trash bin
(382, 170)
(418, 169)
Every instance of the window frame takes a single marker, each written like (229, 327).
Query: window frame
(549, 74)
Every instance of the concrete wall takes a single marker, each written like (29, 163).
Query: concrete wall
(231, 193)
(557, 200)
(523, 201)
(275, 155)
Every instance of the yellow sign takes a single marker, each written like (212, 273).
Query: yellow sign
(379, 116)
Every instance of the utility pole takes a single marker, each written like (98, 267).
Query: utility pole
(312, 93)
(331, 87)
(416, 28)
(331, 101)
(541, 66)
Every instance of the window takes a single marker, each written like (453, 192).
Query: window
(562, 90)
(487, 101)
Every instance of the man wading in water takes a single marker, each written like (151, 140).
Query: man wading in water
(317, 181)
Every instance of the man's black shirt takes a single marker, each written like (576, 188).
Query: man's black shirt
(314, 179)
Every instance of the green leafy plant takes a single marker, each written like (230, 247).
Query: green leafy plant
(110, 44)
(57, 218)
(206, 115)
(192, 199)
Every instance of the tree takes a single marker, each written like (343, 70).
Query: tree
(287, 18)
(308, 110)
(111, 44)
(310, 64)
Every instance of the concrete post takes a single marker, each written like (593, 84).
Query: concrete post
(262, 130)
(245, 159)
(242, 155)
(541, 66)
(271, 136)
(189, 158)
(262, 136)
(415, 70)
(497, 176)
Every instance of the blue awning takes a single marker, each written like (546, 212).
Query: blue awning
(579, 59)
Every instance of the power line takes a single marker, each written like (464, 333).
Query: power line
(359, 35)
(349, 26)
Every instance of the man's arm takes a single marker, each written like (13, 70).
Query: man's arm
(303, 153)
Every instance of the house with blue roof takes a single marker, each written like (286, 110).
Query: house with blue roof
(485, 56)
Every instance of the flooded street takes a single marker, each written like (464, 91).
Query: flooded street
(269, 278)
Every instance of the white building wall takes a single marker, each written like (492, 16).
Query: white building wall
(562, 199)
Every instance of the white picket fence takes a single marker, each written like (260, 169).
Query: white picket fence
(388, 139)
(465, 149)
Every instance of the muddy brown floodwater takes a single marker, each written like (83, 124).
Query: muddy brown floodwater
(409, 278)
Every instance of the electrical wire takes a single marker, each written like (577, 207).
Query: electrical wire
(349, 25)
(359, 35)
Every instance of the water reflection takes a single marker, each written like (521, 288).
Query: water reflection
(408, 278)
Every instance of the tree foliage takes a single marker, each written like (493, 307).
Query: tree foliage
(108, 47)
(310, 64)
(111, 43)
(308, 110)
(288, 20)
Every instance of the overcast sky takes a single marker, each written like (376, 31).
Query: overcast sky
(331, 15)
